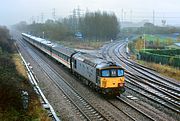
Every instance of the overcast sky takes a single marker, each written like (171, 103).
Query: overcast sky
(13, 11)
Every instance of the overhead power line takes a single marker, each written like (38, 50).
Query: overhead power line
(54, 14)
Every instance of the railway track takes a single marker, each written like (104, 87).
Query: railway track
(161, 91)
(174, 96)
(131, 111)
(170, 93)
(85, 109)
(146, 71)
(108, 117)
(129, 117)
(158, 80)
(152, 95)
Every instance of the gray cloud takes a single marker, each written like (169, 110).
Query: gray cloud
(13, 11)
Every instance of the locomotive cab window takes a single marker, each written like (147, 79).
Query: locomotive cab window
(113, 72)
(105, 73)
(120, 72)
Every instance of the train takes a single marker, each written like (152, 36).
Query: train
(104, 76)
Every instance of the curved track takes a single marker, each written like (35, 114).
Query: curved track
(86, 109)
(165, 92)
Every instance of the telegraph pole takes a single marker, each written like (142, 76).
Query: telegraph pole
(144, 42)
(76, 18)
(33, 20)
(54, 14)
(42, 17)
(122, 14)
(153, 17)
(43, 34)
(78, 12)
(37, 19)
(130, 15)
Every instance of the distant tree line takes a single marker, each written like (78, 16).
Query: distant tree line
(54, 30)
(99, 25)
(150, 28)
(93, 26)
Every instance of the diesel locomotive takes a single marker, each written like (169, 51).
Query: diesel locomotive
(104, 76)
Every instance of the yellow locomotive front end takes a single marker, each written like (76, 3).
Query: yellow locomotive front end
(112, 80)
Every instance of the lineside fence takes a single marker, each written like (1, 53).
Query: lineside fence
(168, 57)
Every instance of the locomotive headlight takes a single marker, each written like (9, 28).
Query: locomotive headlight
(120, 84)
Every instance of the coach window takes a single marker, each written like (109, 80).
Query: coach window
(66, 58)
(75, 63)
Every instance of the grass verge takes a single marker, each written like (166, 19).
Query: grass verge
(83, 44)
(163, 69)
(13, 79)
